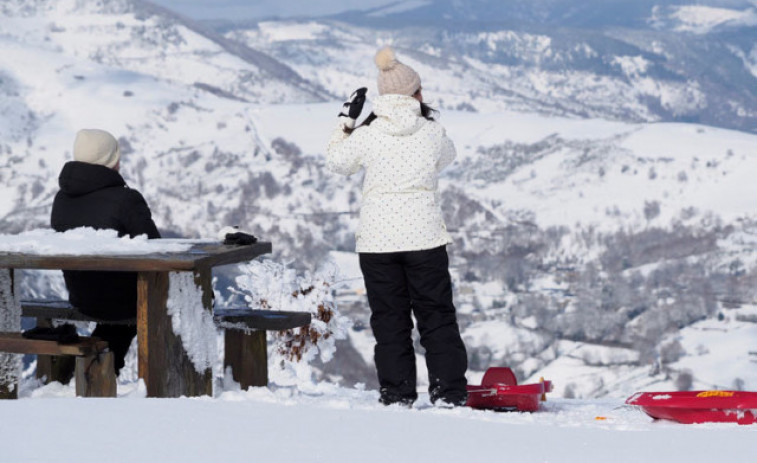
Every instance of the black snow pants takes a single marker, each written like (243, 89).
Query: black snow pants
(417, 282)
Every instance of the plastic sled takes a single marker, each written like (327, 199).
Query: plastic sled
(699, 406)
(499, 391)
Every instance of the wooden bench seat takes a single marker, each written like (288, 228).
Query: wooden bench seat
(95, 376)
(267, 320)
(63, 310)
(245, 347)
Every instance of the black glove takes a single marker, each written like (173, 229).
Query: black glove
(351, 109)
(240, 239)
(64, 334)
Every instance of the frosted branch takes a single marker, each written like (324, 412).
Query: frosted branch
(190, 321)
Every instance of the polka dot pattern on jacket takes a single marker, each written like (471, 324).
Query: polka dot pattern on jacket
(402, 154)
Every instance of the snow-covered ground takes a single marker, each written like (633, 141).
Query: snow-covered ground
(325, 423)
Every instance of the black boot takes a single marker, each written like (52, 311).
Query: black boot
(451, 398)
(394, 398)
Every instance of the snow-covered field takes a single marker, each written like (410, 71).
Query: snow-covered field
(325, 423)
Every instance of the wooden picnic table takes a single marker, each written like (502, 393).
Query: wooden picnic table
(164, 364)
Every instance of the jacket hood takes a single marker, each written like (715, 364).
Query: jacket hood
(398, 114)
(80, 178)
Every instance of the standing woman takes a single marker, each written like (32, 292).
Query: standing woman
(402, 238)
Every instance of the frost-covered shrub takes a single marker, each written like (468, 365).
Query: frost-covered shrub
(671, 352)
(738, 384)
(684, 381)
(268, 285)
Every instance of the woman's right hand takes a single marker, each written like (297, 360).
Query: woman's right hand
(351, 109)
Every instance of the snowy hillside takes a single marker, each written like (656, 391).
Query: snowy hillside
(176, 100)
(137, 36)
(701, 19)
(594, 244)
(589, 243)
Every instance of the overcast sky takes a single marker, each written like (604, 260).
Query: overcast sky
(256, 9)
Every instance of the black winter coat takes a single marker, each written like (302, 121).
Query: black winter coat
(96, 196)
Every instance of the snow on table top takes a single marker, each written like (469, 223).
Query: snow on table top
(86, 241)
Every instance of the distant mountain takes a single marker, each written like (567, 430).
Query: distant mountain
(587, 14)
(672, 62)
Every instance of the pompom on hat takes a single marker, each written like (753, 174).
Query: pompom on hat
(95, 146)
(395, 77)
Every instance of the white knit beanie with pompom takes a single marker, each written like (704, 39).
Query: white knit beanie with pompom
(395, 77)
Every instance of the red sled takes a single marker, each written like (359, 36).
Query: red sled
(499, 391)
(699, 406)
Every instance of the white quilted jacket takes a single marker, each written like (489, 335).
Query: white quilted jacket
(402, 154)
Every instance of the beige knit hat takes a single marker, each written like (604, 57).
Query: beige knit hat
(95, 146)
(395, 77)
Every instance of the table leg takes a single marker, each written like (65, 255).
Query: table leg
(164, 364)
(10, 320)
(247, 355)
(51, 368)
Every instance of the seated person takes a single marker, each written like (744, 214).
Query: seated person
(93, 194)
